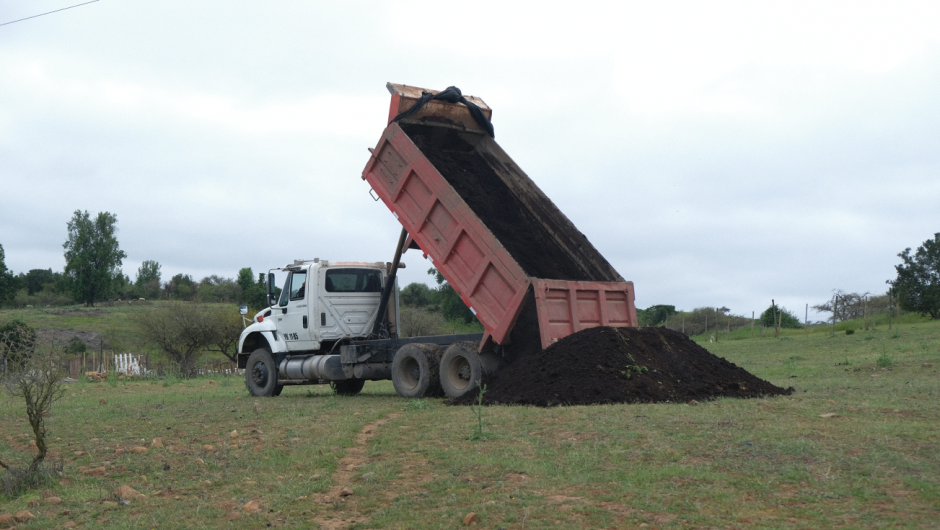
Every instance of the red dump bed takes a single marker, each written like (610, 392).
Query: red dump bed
(489, 230)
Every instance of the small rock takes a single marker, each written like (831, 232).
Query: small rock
(102, 401)
(280, 477)
(96, 471)
(252, 507)
(828, 415)
(345, 492)
(209, 448)
(6, 519)
(143, 478)
(234, 434)
(23, 516)
(206, 483)
(137, 449)
(200, 462)
(128, 493)
(368, 475)
(471, 519)
(69, 524)
(53, 500)
(156, 443)
(356, 414)
(315, 477)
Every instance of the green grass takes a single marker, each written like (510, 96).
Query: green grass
(742, 463)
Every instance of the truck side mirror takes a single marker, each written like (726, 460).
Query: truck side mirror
(243, 309)
(271, 288)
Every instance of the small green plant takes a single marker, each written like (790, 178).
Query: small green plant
(850, 332)
(111, 378)
(885, 360)
(786, 338)
(478, 410)
(870, 336)
(418, 404)
(633, 368)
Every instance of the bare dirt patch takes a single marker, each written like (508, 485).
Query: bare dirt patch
(61, 337)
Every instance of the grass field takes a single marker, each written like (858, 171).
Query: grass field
(856, 446)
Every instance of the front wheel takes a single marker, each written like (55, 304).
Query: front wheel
(261, 374)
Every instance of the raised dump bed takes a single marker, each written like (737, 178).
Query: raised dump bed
(488, 228)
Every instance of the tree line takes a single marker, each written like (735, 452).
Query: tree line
(915, 289)
(93, 273)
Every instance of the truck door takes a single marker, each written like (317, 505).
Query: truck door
(293, 322)
(348, 300)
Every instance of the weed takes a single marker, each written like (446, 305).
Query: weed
(786, 338)
(478, 410)
(896, 334)
(884, 360)
(850, 332)
(870, 336)
(418, 404)
(112, 378)
(633, 368)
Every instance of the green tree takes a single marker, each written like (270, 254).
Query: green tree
(452, 306)
(787, 319)
(415, 295)
(181, 287)
(36, 279)
(92, 255)
(8, 283)
(655, 315)
(148, 279)
(918, 282)
(254, 293)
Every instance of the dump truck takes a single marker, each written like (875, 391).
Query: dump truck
(517, 262)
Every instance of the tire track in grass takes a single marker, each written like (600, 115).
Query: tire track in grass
(343, 477)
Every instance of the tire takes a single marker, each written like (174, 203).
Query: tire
(261, 374)
(348, 387)
(461, 370)
(416, 371)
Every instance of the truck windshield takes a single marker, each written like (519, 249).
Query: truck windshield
(353, 281)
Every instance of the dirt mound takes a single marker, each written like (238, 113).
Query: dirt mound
(620, 365)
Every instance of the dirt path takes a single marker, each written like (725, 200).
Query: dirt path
(348, 468)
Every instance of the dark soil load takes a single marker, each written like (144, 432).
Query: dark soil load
(620, 365)
(542, 240)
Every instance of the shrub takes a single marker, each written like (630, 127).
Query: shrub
(787, 319)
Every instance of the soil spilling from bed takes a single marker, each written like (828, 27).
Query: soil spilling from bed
(620, 365)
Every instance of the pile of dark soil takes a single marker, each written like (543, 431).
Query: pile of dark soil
(537, 250)
(620, 365)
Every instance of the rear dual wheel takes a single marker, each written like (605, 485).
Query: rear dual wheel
(416, 371)
(461, 369)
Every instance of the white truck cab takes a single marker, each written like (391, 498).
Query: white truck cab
(321, 304)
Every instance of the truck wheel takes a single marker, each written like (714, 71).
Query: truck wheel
(461, 370)
(261, 374)
(349, 387)
(416, 370)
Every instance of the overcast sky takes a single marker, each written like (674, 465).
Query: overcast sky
(716, 153)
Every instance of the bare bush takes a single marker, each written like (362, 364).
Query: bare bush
(418, 321)
(38, 382)
(183, 330)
